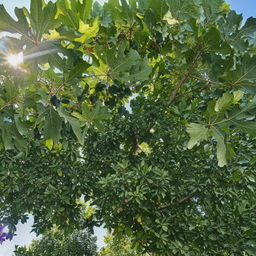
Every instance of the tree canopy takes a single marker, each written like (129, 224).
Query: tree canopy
(55, 243)
(145, 108)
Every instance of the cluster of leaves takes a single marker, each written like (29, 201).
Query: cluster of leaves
(55, 243)
(126, 104)
(121, 247)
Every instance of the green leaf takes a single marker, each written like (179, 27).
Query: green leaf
(52, 125)
(36, 16)
(212, 10)
(197, 134)
(77, 71)
(8, 24)
(11, 90)
(75, 124)
(245, 126)
(85, 9)
(127, 9)
(213, 42)
(230, 28)
(251, 251)
(20, 126)
(94, 115)
(223, 102)
(239, 113)
(7, 137)
(184, 9)
(67, 13)
(221, 147)
(244, 74)
(128, 67)
(240, 37)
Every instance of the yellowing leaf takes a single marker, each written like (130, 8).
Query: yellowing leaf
(225, 7)
(139, 219)
(170, 20)
(60, 173)
(49, 143)
(145, 148)
(52, 34)
(58, 146)
(139, 16)
(87, 31)
(238, 95)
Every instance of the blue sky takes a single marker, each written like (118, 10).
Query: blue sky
(247, 7)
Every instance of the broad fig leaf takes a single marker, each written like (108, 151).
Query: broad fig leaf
(213, 10)
(183, 9)
(75, 124)
(245, 126)
(41, 17)
(221, 147)
(52, 125)
(8, 24)
(244, 74)
(243, 35)
(238, 95)
(11, 137)
(127, 67)
(87, 31)
(213, 42)
(85, 9)
(231, 28)
(93, 116)
(197, 134)
(223, 102)
(77, 71)
(67, 13)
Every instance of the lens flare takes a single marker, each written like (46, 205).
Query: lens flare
(15, 59)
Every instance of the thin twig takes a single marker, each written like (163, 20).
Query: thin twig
(206, 80)
(184, 79)
(181, 201)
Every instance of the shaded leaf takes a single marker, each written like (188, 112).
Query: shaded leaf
(52, 125)
(75, 124)
(197, 133)
(244, 74)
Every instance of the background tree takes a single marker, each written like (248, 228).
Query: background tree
(55, 243)
(146, 108)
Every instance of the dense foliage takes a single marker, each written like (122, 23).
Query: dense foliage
(55, 243)
(146, 108)
(115, 247)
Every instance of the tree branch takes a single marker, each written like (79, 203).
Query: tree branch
(185, 78)
(207, 81)
(181, 201)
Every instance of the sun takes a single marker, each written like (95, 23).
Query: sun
(15, 59)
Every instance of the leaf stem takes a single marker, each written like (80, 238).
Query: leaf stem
(185, 78)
